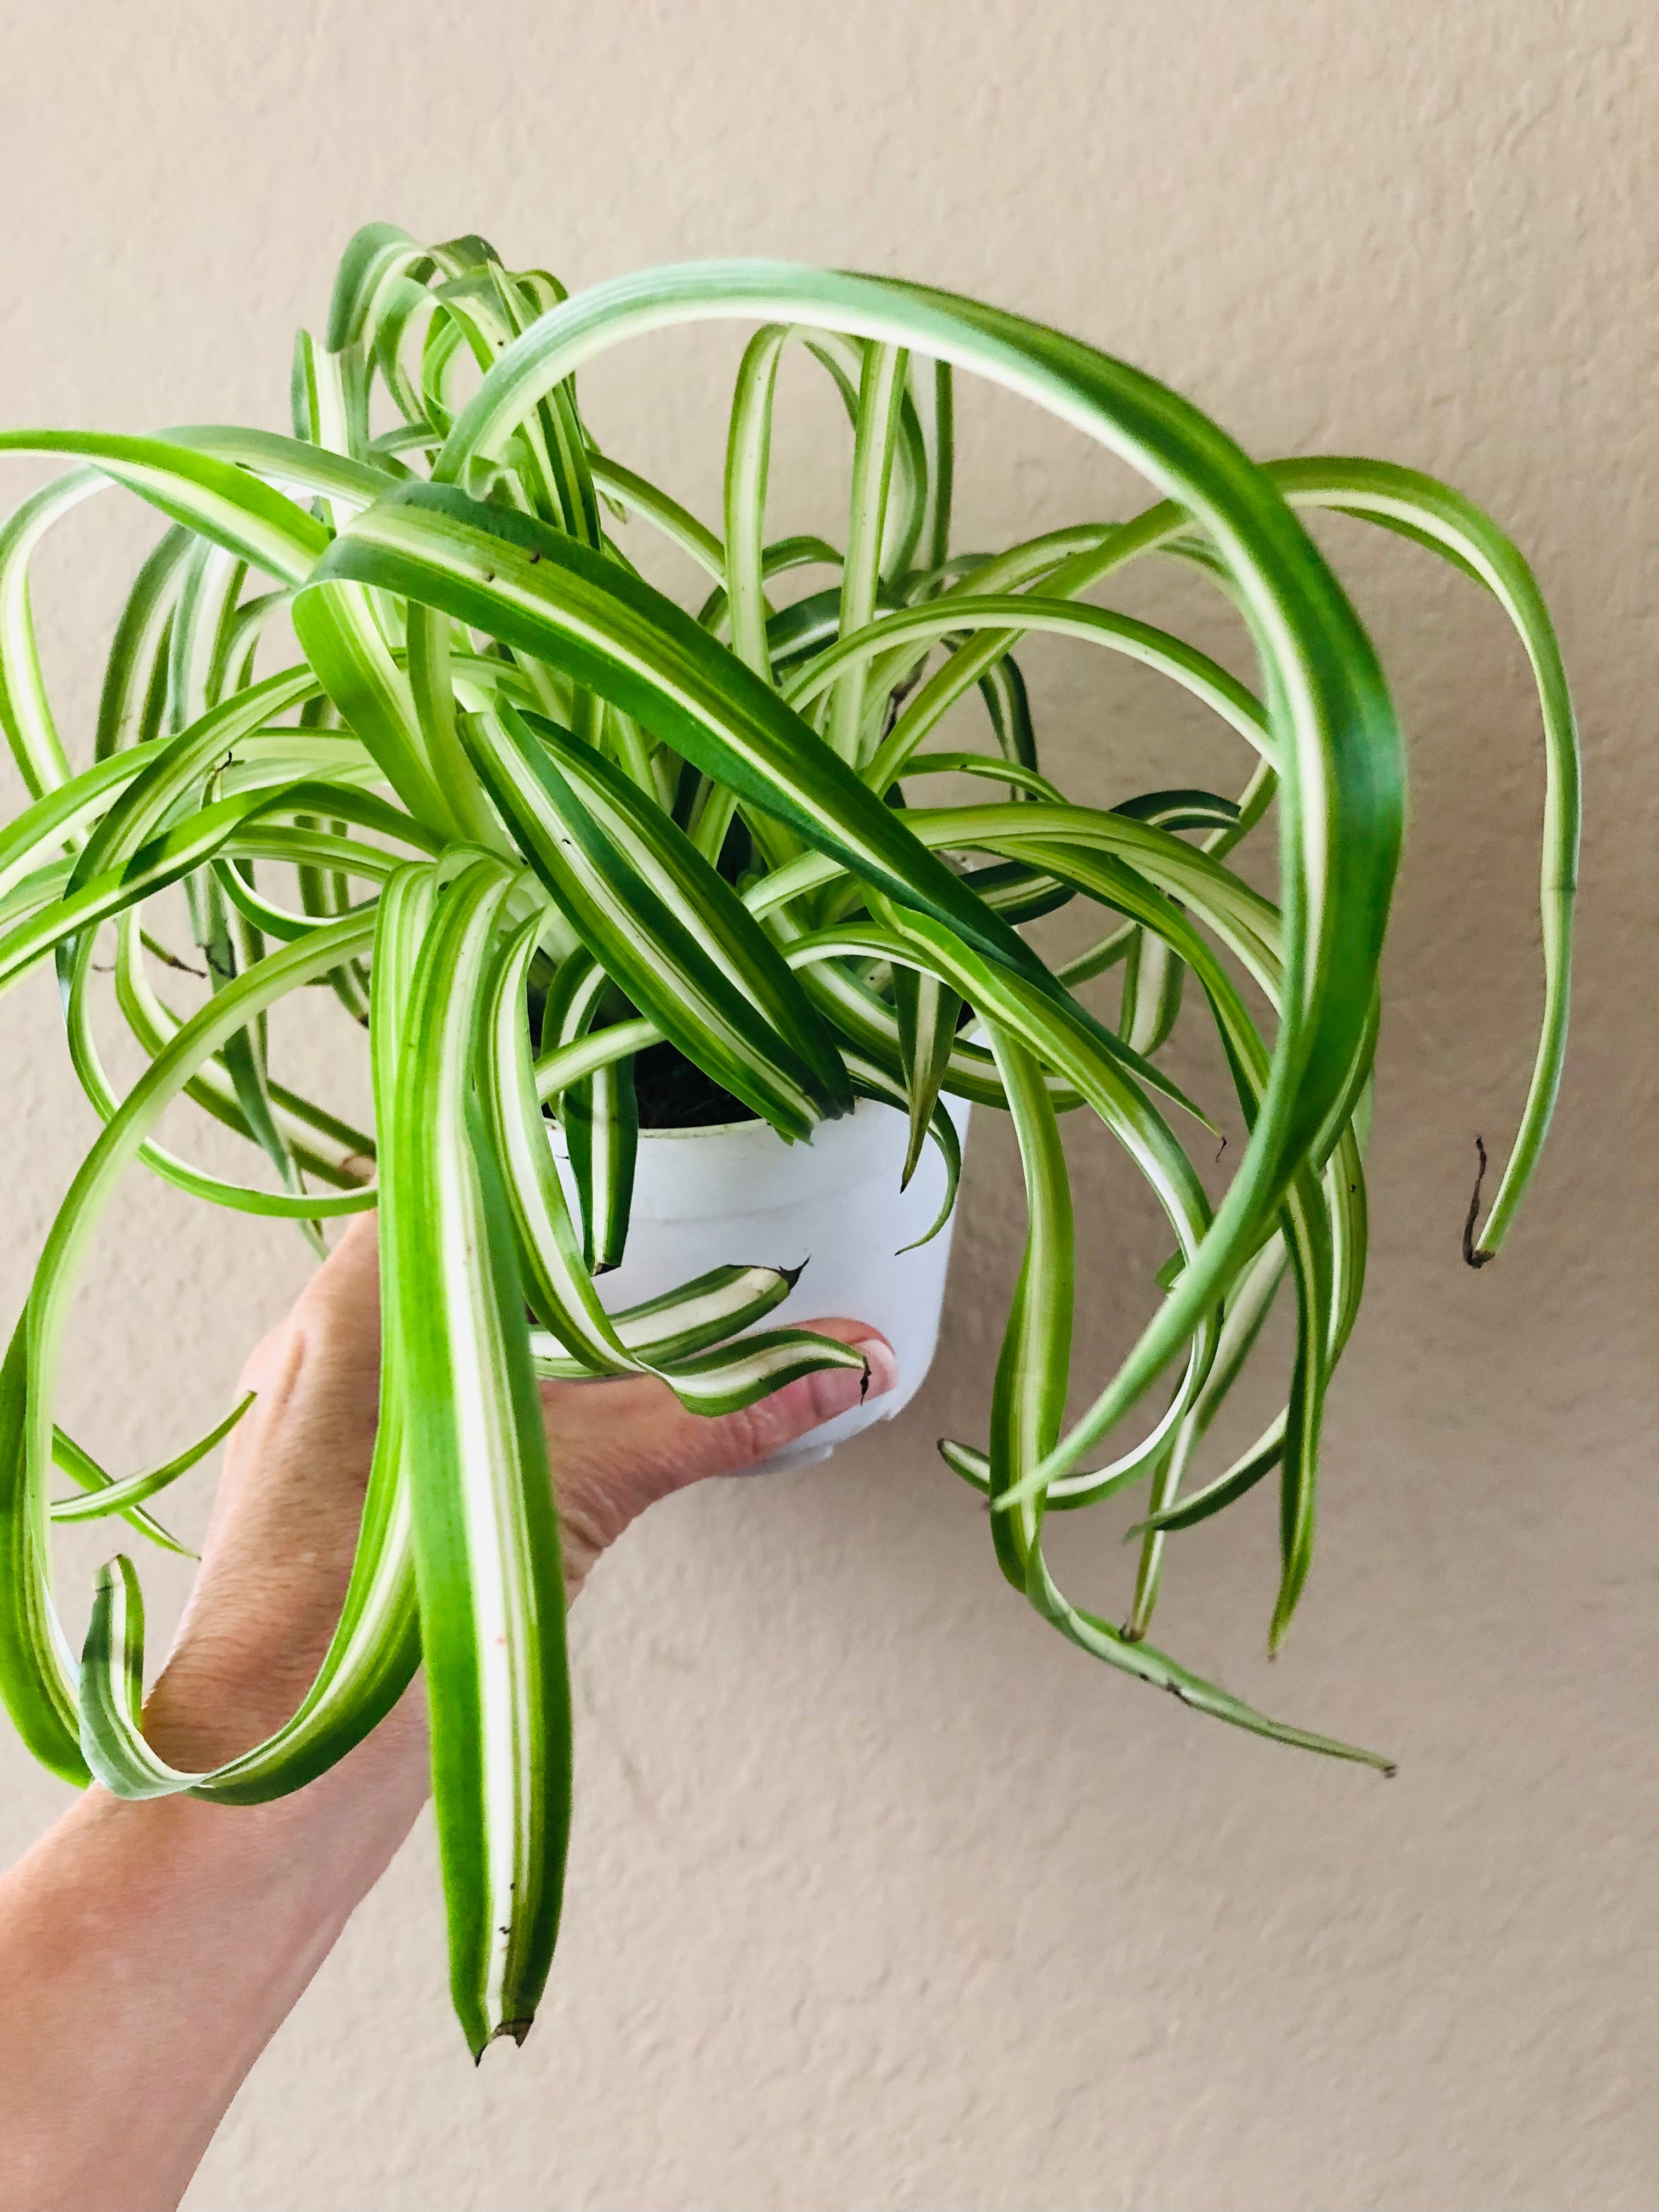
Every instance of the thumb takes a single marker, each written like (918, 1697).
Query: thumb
(616, 1447)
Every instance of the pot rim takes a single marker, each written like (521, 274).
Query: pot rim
(755, 1122)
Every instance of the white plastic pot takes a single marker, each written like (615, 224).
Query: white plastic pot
(705, 1198)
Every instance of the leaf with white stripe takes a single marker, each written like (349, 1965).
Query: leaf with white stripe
(694, 1318)
(486, 1535)
(1433, 514)
(673, 953)
(75, 1461)
(1028, 1399)
(119, 1496)
(558, 1280)
(735, 1375)
(222, 504)
(701, 901)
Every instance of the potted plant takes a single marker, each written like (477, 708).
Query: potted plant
(391, 703)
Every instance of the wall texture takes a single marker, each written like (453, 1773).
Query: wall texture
(881, 1896)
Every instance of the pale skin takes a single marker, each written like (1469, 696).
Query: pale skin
(149, 1951)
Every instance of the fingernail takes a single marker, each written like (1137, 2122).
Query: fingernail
(880, 1367)
(834, 1390)
(839, 1390)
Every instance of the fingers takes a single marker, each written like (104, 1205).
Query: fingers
(615, 1447)
(644, 1434)
(618, 1447)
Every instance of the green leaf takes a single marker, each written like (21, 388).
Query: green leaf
(486, 1535)
(673, 1326)
(927, 1013)
(727, 1380)
(674, 937)
(601, 1122)
(1196, 672)
(72, 1460)
(377, 255)
(25, 710)
(637, 496)
(121, 1496)
(1435, 515)
(222, 504)
(130, 706)
(706, 907)
(557, 1267)
(1028, 1401)
(881, 388)
(341, 636)
(942, 474)
(37, 1672)
(747, 460)
(59, 818)
(873, 1081)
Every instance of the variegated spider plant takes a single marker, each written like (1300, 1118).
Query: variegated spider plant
(528, 816)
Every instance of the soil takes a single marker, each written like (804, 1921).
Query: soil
(673, 1093)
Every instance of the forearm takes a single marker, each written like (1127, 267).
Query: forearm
(147, 1953)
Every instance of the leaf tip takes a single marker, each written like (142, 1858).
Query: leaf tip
(1474, 1256)
(515, 2030)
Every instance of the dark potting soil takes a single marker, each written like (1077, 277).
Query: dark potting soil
(674, 1093)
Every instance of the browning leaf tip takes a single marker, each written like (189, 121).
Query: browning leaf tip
(1472, 1255)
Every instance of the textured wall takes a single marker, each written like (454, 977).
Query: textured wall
(881, 1896)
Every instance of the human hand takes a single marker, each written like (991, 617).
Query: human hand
(284, 1525)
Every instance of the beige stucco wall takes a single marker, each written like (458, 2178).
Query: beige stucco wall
(881, 1896)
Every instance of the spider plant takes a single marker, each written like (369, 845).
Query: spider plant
(525, 817)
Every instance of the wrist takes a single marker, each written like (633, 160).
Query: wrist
(348, 1822)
